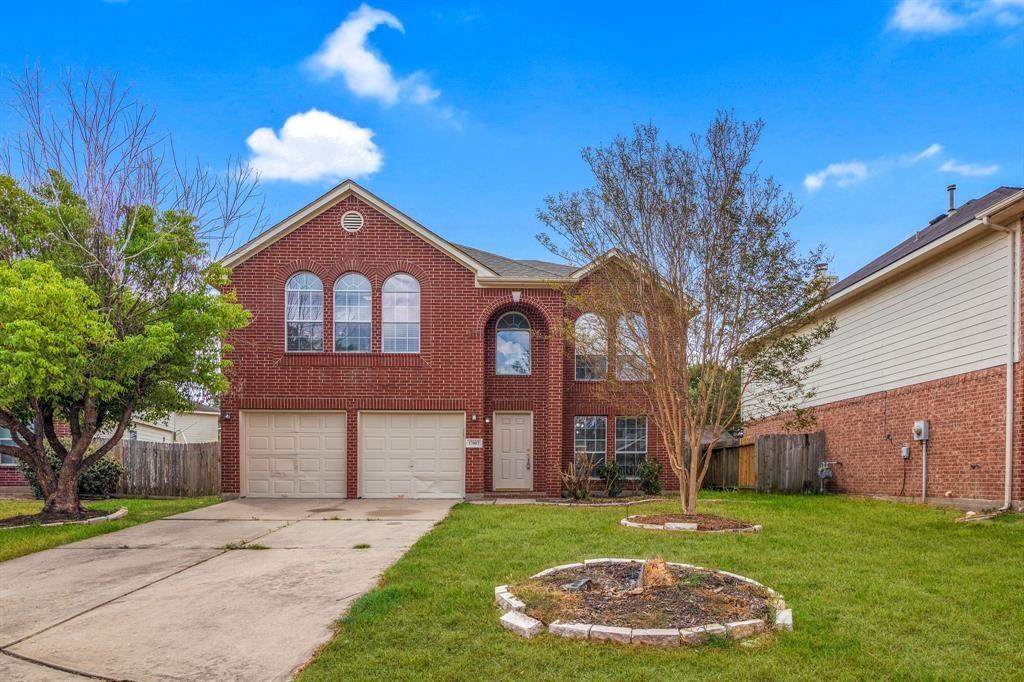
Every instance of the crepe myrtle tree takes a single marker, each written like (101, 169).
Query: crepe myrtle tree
(704, 295)
(108, 305)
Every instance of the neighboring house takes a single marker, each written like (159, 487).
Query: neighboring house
(927, 331)
(385, 361)
(201, 425)
(198, 426)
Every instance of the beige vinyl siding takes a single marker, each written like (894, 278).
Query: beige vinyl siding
(196, 427)
(945, 318)
(152, 432)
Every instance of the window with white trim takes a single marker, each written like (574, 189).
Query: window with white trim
(591, 438)
(352, 314)
(400, 299)
(630, 443)
(512, 344)
(5, 439)
(630, 339)
(591, 348)
(304, 312)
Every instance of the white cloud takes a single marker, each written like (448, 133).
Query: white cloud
(969, 169)
(345, 53)
(314, 146)
(843, 174)
(947, 16)
(851, 172)
(926, 153)
(925, 16)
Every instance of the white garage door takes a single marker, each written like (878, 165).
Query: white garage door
(412, 454)
(294, 454)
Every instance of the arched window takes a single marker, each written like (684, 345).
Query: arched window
(401, 314)
(631, 345)
(352, 314)
(591, 348)
(512, 344)
(304, 312)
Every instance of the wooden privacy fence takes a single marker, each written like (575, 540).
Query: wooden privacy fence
(773, 463)
(171, 469)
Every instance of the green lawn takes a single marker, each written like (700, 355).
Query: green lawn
(20, 541)
(878, 590)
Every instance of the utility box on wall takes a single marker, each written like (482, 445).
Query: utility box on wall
(921, 429)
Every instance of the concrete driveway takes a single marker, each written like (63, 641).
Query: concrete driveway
(167, 600)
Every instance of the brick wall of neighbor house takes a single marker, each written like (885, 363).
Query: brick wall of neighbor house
(11, 476)
(965, 452)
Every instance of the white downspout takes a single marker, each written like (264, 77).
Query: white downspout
(1011, 344)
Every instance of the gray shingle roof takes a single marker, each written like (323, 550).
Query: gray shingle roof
(936, 230)
(508, 267)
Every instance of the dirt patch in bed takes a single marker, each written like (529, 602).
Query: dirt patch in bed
(703, 521)
(611, 597)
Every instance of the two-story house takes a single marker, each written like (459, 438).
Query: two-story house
(384, 361)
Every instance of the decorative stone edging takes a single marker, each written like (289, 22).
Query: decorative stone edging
(690, 527)
(113, 516)
(514, 618)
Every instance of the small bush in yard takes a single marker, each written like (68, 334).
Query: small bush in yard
(576, 478)
(648, 475)
(611, 476)
(99, 480)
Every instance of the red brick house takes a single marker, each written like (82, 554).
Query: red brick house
(928, 331)
(385, 361)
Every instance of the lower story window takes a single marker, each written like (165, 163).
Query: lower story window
(591, 438)
(630, 443)
(5, 439)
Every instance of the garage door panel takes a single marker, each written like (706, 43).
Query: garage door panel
(419, 454)
(295, 454)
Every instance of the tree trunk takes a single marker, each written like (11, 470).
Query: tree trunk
(691, 498)
(64, 500)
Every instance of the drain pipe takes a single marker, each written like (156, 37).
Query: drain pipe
(1011, 344)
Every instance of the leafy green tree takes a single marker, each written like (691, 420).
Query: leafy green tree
(108, 305)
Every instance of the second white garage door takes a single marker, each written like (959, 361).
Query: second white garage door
(412, 454)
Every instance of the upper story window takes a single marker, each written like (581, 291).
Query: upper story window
(631, 339)
(304, 312)
(512, 344)
(591, 348)
(400, 300)
(352, 314)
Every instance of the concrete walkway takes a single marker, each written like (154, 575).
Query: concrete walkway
(166, 600)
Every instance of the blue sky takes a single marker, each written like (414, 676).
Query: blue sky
(466, 115)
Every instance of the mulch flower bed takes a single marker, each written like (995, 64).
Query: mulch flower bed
(631, 601)
(86, 516)
(699, 596)
(703, 521)
(599, 501)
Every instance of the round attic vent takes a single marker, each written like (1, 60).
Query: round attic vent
(352, 221)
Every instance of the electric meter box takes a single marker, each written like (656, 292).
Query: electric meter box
(921, 429)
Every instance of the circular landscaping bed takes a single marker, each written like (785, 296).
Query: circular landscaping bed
(633, 601)
(87, 516)
(701, 523)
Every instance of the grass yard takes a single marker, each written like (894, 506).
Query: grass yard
(878, 590)
(21, 541)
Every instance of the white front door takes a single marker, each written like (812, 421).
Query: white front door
(412, 454)
(513, 450)
(293, 454)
